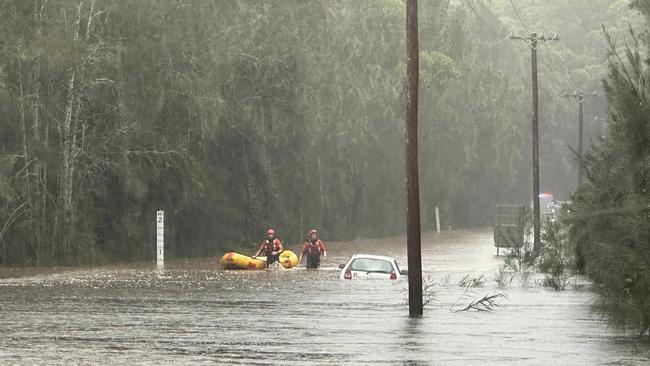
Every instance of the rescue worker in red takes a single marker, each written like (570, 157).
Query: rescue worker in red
(313, 249)
(270, 247)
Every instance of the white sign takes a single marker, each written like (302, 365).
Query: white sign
(160, 239)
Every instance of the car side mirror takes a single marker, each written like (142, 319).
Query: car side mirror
(341, 266)
(404, 272)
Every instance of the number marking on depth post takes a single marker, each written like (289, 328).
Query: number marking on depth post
(160, 239)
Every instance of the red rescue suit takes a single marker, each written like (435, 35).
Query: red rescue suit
(313, 250)
(269, 246)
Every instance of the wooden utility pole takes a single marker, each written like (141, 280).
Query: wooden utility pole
(533, 40)
(580, 97)
(536, 213)
(413, 240)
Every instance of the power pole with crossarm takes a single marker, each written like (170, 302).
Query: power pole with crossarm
(580, 97)
(533, 40)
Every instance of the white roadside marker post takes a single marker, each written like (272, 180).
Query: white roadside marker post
(160, 239)
(437, 219)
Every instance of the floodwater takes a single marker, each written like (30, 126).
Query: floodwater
(193, 312)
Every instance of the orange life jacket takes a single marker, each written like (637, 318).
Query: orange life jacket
(271, 246)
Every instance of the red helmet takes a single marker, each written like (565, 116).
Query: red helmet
(270, 232)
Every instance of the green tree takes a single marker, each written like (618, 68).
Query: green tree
(609, 222)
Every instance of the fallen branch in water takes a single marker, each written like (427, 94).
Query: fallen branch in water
(428, 291)
(470, 282)
(487, 303)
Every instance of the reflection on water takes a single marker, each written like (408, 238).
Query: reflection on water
(194, 312)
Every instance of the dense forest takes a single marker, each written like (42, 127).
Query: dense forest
(233, 116)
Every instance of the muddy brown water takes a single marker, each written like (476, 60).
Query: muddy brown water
(193, 312)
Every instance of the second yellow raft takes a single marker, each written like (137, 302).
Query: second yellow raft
(288, 259)
(232, 260)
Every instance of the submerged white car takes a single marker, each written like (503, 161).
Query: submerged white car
(371, 266)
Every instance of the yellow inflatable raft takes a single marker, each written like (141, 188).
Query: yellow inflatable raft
(288, 259)
(232, 260)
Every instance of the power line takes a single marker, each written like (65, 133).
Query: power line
(553, 70)
(518, 17)
(562, 51)
(501, 39)
(563, 54)
(482, 19)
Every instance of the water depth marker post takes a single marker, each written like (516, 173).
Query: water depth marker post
(160, 239)
(437, 220)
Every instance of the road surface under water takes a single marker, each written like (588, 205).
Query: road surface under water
(194, 312)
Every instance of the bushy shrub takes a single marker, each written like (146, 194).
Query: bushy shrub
(556, 259)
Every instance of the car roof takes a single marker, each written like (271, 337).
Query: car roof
(372, 256)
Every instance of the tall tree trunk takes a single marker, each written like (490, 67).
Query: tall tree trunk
(26, 172)
(66, 174)
(320, 185)
(40, 165)
(90, 18)
(46, 146)
(39, 185)
(67, 213)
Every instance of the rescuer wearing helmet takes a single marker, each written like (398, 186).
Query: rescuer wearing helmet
(313, 249)
(271, 247)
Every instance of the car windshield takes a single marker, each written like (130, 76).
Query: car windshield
(371, 265)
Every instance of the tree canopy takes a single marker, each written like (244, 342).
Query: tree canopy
(235, 116)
